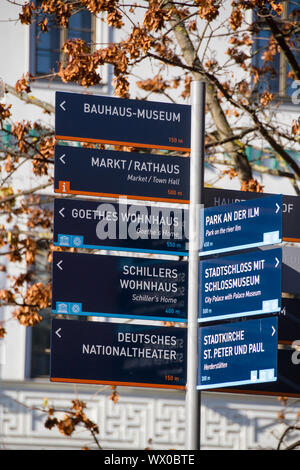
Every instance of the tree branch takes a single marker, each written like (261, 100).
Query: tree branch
(286, 431)
(213, 80)
(25, 193)
(29, 99)
(234, 148)
(279, 37)
(234, 137)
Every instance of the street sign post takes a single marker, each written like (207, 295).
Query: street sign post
(118, 354)
(193, 397)
(240, 285)
(243, 352)
(120, 287)
(115, 121)
(241, 225)
(114, 174)
(124, 287)
(120, 226)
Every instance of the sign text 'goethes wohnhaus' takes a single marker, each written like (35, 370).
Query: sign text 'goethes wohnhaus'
(129, 227)
(116, 121)
(118, 354)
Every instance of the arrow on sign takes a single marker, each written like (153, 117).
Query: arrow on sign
(273, 330)
(61, 211)
(62, 158)
(62, 105)
(57, 332)
(277, 262)
(277, 208)
(59, 265)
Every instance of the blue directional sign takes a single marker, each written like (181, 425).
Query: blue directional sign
(116, 121)
(114, 174)
(238, 353)
(118, 354)
(121, 287)
(290, 207)
(241, 225)
(122, 226)
(240, 285)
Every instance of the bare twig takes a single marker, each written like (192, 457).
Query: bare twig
(26, 192)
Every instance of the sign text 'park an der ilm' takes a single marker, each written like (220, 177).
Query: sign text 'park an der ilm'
(242, 225)
(290, 207)
(120, 121)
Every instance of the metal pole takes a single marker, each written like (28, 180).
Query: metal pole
(193, 407)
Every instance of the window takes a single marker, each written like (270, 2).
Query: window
(40, 333)
(277, 78)
(38, 336)
(45, 50)
(40, 346)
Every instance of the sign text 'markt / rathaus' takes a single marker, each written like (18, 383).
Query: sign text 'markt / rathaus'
(107, 173)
